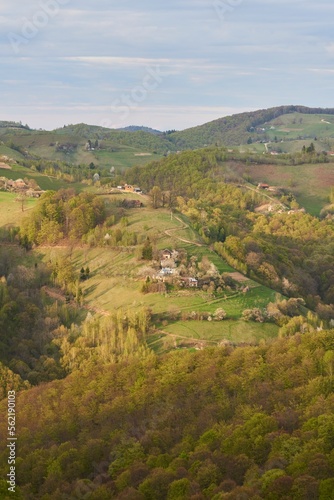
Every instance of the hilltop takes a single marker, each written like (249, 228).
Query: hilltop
(136, 128)
(282, 129)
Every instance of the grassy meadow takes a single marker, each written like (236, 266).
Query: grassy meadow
(310, 183)
(11, 212)
(117, 276)
(296, 125)
(44, 145)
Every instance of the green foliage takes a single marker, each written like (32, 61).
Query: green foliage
(62, 214)
(147, 251)
(28, 324)
(255, 419)
(289, 252)
(118, 337)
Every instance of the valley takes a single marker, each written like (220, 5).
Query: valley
(167, 308)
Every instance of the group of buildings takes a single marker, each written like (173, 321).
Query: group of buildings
(128, 188)
(170, 271)
(20, 186)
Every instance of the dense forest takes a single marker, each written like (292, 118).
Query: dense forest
(251, 422)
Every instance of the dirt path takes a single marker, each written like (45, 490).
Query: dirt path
(54, 293)
(183, 226)
(194, 340)
(273, 200)
(57, 294)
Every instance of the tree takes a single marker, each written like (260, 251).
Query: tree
(219, 314)
(156, 196)
(310, 149)
(22, 200)
(147, 252)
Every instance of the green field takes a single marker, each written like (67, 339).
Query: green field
(310, 183)
(298, 125)
(11, 211)
(124, 157)
(214, 332)
(117, 276)
(45, 182)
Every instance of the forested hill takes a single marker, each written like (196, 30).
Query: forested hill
(232, 130)
(251, 422)
(136, 128)
(237, 129)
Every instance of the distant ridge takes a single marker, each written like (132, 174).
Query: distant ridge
(236, 129)
(278, 124)
(136, 128)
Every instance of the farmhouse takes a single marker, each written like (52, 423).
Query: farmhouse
(263, 186)
(168, 258)
(190, 282)
(166, 254)
(19, 184)
(169, 254)
(130, 189)
(165, 271)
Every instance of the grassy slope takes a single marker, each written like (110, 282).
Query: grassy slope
(120, 150)
(310, 183)
(233, 331)
(115, 283)
(11, 211)
(295, 125)
(11, 153)
(45, 182)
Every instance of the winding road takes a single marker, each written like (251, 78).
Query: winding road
(184, 226)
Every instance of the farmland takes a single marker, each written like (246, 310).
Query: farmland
(45, 182)
(69, 147)
(11, 212)
(310, 183)
(117, 276)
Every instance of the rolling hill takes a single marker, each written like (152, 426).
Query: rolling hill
(285, 122)
(284, 129)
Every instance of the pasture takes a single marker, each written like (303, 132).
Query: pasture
(11, 212)
(45, 182)
(118, 274)
(310, 183)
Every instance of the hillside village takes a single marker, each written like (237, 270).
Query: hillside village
(28, 187)
(174, 269)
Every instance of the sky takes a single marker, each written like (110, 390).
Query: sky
(166, 65)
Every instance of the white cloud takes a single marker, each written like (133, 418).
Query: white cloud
(265, 52)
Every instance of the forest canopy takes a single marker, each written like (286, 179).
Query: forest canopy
(250, 422)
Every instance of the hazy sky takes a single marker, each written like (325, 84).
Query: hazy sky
(166, 64)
